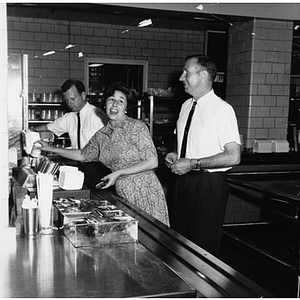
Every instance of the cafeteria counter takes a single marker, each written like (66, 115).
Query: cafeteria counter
(209, 276)
(274, 236)
(161, 264)
(48, 266)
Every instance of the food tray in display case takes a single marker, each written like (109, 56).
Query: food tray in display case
(94, 223)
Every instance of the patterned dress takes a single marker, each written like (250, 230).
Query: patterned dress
(123, 146)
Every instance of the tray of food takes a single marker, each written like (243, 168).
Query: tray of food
(90, 223)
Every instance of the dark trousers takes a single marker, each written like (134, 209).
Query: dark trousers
(197, 208)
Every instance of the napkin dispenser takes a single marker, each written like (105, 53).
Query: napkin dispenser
(70, 178)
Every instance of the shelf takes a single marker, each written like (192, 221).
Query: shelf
(40, 121)
(56, 104)
(45, 112)
(41, 111)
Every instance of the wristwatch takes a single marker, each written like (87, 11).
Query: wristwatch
(198, 165)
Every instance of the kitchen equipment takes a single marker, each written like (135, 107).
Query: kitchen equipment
(70, 178)
(29, 138)
(44, 97)
(262, 146)
(30, 221)
(32, 97)
(87, 223)
(280, 146)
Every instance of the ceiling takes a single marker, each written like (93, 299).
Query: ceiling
(286, 10)
(122, 15)
(163, 15)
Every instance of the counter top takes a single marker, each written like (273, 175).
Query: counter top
(49, 266)
(270, 158)
(162, 264)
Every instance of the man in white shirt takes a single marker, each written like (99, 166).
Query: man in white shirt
(92, 118)
(198, 207)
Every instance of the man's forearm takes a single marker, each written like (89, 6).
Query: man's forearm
(40, 128)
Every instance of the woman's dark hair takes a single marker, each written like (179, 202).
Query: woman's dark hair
(130, 94)
(70, 82)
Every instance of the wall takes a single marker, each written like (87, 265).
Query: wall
(165, 49)
(258, 80)
(3, 120)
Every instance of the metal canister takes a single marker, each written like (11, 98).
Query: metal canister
(48, 114)
(43, 114)
(31, 97)
(44, 97)
(55, 114)
(50, 97)
(32, 114)
(57, 97)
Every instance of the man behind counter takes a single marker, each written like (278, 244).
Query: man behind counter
(91, 117)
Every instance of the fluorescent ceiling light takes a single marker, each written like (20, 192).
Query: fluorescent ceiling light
(95, 65)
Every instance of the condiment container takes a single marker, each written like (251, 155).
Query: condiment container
(36, 151)
(30, 221)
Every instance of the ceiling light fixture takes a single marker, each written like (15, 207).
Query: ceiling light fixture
(69, 46)
(49, 53)
(95, 65)
(145, 23)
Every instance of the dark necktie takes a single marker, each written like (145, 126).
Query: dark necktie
(78, 129)
(186, 130)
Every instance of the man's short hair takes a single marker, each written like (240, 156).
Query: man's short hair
(206, 62)
(70, 82)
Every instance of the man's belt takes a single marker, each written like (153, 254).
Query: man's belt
(198, 171)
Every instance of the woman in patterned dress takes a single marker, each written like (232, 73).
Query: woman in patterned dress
(125, 146)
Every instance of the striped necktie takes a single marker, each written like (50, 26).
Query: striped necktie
(186, 130)
(78, 130)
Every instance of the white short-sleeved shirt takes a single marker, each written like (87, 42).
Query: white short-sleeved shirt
(92, 118)
(213, 125)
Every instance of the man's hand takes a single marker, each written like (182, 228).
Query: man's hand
(170, 159)
(47, 136)
(181, 166)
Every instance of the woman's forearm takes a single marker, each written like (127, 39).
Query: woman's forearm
(73, 154)
(145, 165)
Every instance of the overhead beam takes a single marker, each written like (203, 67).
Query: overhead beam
(283, 11)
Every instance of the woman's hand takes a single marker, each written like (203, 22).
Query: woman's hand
(110, 179)
(45, 146)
